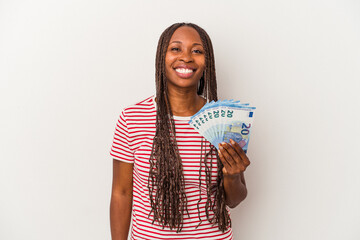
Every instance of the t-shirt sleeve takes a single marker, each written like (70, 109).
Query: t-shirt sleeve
(121, 147)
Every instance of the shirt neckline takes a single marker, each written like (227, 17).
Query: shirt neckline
(182, 118)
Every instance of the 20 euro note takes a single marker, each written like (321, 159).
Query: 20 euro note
(238, 128)
(224, 120)
(210, 119)
(235, 123)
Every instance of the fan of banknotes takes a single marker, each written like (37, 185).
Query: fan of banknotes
(223, 120)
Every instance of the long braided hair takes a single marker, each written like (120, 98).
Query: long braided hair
(166, 179)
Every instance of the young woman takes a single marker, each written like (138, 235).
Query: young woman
(173, 182)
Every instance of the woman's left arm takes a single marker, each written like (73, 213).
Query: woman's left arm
(235, 163)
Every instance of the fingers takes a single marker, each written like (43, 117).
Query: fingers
(237, 147)
(233, 157)
(224, 162)
(229, 153)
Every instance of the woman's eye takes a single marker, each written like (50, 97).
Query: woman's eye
(198, 51)
(175, 49)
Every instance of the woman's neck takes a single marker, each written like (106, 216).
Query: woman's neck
(185, 103)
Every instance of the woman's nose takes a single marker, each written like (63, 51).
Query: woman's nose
(186, 56)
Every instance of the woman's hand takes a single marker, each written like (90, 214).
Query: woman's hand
(235, 163)
(233, 158)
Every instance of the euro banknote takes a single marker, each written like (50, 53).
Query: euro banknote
(220, 121)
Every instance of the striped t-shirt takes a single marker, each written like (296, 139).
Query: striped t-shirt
(132, 143)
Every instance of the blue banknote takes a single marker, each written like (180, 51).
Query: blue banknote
(221, 121)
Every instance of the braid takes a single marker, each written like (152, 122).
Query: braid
(166, 179)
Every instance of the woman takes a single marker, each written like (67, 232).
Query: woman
(180, 185)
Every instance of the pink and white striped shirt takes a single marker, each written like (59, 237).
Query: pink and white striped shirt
(132, 143)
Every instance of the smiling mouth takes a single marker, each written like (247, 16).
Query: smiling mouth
(184, 70)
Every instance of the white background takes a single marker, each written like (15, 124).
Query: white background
(67, 68)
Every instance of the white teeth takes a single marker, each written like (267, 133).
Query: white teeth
(183, 70)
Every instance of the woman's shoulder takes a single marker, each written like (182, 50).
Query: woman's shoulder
(144, 106)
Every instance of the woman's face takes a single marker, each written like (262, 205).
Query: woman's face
(185, 59)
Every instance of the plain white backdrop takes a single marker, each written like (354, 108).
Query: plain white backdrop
(67, 68)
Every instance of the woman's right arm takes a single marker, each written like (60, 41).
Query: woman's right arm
(121, 200)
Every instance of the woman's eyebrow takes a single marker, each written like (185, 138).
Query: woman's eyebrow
(181, 42)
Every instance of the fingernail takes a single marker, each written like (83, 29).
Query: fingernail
(219, 152)
(232, 141)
